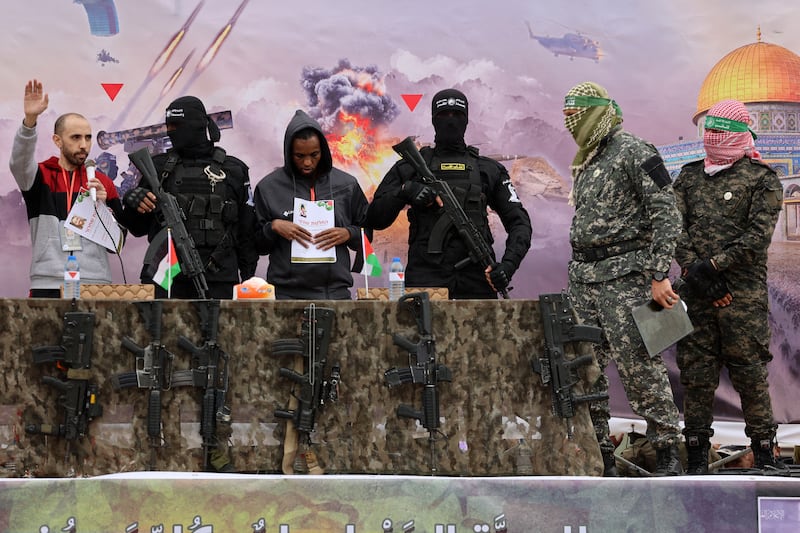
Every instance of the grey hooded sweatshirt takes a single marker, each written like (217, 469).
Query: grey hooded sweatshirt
(274, 199)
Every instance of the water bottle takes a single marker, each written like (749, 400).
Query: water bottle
(397, 280)
(72, 279)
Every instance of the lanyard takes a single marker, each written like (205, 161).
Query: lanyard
(69, 185)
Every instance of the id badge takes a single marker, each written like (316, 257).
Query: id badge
(70, 241)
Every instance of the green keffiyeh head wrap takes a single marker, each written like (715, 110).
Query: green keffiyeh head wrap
(597, 115)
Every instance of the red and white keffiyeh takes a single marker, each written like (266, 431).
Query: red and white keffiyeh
(724, 148)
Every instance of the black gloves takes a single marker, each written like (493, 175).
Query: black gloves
(134, 197)
(700, 274)
(417, 195)
(703, 278)
(718, 288)
(501, 276)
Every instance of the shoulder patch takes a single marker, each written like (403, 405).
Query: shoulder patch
(654, 167)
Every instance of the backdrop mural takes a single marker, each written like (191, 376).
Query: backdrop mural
(367, 71)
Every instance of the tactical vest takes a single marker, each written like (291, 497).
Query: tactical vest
(201, 190)
(462, 174)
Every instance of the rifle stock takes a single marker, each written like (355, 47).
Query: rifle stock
(479, 250)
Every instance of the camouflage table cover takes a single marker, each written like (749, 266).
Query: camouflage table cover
(496, 413)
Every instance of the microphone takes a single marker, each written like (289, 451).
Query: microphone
(90, 169)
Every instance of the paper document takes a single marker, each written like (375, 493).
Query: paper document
(315, 216)
(96, 225)
(661, 328)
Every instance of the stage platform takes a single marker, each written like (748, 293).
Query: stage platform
(172, 502)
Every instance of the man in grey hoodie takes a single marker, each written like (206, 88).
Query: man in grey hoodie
(309, 180)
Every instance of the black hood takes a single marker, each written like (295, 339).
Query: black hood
(300, 121)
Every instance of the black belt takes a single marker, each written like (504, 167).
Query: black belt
(598, 253)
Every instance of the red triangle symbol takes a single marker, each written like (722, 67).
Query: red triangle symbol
(411, 100)
(112, 89)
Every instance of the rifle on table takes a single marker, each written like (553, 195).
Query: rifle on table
(316, 387)
(554, 368)
(209, 371)
(423, 369)
(153, 371)
(172, 220)
(479, 250)
(78, 396)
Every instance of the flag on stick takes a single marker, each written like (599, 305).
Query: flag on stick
(168, 267)
(372, 267)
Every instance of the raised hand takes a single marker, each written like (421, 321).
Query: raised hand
(35, 103)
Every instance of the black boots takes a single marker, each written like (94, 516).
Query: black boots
(764, 457)
(697, 448)
(609, 465)
(668, 462)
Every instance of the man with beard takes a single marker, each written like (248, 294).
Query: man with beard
(50, 188)
(730, 203)
(434, 246)
(622, 235)
(213, 190)
(309, 214)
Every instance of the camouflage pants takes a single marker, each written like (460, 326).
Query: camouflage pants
(736, 337)
(608, 304)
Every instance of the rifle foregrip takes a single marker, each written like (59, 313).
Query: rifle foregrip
(580, 361)
(430, 403)
(208, 418)
(594, 397)
(154, 414)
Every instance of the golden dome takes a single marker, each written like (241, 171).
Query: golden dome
(757, 72)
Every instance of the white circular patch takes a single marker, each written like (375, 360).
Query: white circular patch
(727, 196)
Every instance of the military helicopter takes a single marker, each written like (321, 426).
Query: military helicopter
(570, 44)
(103, 57)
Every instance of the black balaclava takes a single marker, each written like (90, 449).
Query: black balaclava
(450, 128)
(188, 114)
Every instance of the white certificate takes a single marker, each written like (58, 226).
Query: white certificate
(97, 225)
(315, 216)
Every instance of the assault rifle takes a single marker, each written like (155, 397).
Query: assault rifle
(172, 219)
(316, 388)
(423, 369)
(479, 250)
(78, 396)
(210, 372)
(153, 371)
(554, 368)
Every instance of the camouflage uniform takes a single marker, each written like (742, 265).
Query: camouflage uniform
(618, 202)
(730, 218)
